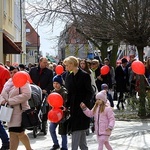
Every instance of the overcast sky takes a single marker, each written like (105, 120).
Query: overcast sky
(49, 38)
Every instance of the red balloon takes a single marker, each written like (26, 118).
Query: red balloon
(19, 79)
(28, 77)
(55, 115)
(55, 100)
(104, 70)
(59, 69)
(138, 67)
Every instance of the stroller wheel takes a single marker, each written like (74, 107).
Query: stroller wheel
(44, 127)
(35, 132)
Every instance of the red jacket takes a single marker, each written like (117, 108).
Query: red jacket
(4, 76)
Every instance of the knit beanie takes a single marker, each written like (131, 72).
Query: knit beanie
(58, 79)
(102, 96)
(104, 86)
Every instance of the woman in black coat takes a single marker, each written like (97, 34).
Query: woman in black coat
(78, 84)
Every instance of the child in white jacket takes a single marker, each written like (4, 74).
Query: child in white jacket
(104, 119)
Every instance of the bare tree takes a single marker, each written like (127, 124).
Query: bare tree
(126, 20)
(102, 20)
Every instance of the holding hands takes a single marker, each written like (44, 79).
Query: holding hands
(83, 106)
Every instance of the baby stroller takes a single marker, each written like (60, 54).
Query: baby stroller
(38, 103)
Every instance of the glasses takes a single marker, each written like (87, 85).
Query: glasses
(93, 63)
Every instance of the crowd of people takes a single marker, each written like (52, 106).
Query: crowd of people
(85, 92)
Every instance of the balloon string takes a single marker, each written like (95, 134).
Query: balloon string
(146, 80)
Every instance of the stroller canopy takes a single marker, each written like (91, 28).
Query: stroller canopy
(36, 96)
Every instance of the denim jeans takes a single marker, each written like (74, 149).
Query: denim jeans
(52, 129)
(3, 135)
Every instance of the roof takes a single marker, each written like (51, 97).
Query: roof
(32, 37)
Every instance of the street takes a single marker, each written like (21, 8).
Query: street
(127, 135)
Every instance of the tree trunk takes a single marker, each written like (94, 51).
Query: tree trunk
(148, 102)
(103, 49)
(142, 89)
(113, 57)
(142, 95)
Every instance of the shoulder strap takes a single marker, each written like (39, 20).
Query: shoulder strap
(20, 93)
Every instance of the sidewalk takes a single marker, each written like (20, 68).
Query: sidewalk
(131, 134)
(127, 135)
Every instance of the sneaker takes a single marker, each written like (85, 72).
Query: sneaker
(55, 147)
(4, 148)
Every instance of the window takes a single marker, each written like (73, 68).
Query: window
(31, 53)
(5, 7)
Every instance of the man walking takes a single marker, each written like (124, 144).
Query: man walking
(43, 77)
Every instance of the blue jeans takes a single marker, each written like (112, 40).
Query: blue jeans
(52, 129)
(3, 136)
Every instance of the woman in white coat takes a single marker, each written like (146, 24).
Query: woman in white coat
(16, 97)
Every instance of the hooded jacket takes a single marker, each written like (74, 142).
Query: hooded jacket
(102, 120)
(15, 98)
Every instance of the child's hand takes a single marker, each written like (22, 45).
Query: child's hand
(83, 106)
(108, 130)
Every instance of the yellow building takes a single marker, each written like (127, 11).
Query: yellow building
(12, 31)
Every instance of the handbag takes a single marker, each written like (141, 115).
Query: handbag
(30, 118)
(6, 113)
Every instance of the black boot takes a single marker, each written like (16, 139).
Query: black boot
(118, 107)
(122, 106)
(4, 148)
(55, 147)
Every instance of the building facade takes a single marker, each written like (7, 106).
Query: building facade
(12, 35)
(73, 43)
(32, 44)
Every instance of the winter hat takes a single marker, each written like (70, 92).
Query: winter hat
(104, 86)
(124, 60)
(102, 96)
(58, 79)
(11, 68)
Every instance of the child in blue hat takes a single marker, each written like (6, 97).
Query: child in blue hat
(59, 88)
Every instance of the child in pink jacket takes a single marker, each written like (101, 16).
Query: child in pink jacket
(104, 119)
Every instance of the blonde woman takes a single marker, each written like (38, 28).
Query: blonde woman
(78, 84)
(104, 119)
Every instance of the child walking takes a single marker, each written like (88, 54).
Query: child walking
(59, 88)
(104, 119)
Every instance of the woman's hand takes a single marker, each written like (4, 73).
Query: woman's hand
(100, 78)
(3, 102)
(83, 106)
